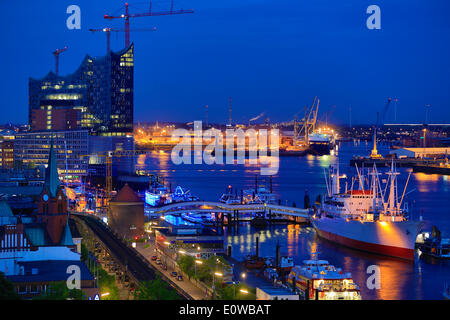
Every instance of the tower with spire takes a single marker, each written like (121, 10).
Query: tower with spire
(52, 204)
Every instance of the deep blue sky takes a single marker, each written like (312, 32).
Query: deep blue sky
(269, 55)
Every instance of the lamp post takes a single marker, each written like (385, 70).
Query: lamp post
(214, 283)
(195, 266)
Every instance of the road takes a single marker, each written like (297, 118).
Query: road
(148, 250)
(135, 264)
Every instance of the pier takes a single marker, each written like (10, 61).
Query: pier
(234, 210)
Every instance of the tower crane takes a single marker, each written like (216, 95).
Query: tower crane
(127, 15)
(108, 34)
(56, 53)
(108, 155)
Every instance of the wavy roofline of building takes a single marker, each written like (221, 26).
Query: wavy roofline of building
(52, 75)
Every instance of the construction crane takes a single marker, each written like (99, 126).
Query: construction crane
(56, 53)
(127, 15)
(108, 34)
(108, 155)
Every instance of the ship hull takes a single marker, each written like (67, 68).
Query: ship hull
(320, 148)
(394, 239)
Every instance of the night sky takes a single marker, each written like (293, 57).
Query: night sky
(268, 55)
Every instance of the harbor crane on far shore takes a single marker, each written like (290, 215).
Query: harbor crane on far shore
(309, 122)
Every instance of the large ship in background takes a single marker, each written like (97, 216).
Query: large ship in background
(310, 137)
(373, 219)
(321, 141)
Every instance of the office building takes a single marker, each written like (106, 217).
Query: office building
(31, 150)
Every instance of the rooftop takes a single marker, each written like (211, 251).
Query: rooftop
(126, 194)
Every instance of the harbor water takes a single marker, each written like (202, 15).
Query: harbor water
(428, 195)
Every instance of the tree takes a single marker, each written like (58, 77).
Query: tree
(7, 291)
(59, 291)
(155, 290)
(187, 265)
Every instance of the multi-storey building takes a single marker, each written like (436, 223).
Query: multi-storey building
(98, 96)
(31, 149)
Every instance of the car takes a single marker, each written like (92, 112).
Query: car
(154, 258)
(173, 274)
(158, 261)
(180, 277)
(164, 266)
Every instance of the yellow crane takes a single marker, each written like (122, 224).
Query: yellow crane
(108, 162)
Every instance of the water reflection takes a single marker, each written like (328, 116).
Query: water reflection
(399, 280)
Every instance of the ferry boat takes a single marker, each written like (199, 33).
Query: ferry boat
(364, 220)
(229, 198)
(319, 280)
(157, 196)
(261, 195)
(321, 141)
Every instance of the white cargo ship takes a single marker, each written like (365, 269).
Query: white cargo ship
(371, 220)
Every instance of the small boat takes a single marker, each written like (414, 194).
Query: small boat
(254, 262)
(229, 198)
(199, 218)
(181, 195)
(319, 280)
(434, 246)
(286, 264)
(259, 221)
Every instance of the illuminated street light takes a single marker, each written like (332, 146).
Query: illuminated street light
(243, 291)
(105, 294)
(182, 251)
(214, 282)
(243, 275)
(195, 266)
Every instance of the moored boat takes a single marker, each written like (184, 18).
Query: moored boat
(319, 280)
(371, 220)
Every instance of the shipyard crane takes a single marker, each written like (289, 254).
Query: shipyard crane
(127, 15)
(108, 34)
(56, 53)
(309, 123)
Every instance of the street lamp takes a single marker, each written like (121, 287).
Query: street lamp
(243, 275)
(195, 266)
(214, 282)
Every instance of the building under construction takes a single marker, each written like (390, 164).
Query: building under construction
(98, 96)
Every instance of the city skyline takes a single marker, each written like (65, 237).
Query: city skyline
(267, 56)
